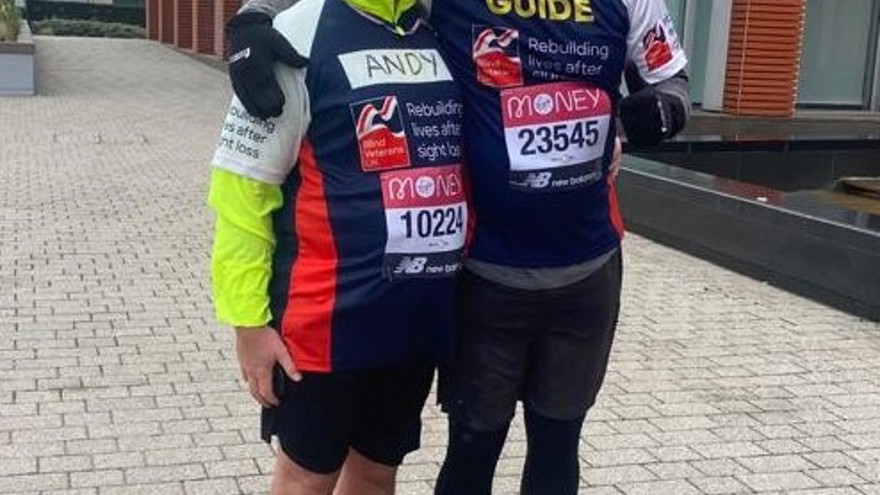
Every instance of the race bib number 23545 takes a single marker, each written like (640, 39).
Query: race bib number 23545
(555, 134)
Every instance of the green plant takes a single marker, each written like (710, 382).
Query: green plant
(39, 10)
(10, 20)
(93, 29)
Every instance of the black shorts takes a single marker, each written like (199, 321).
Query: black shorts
(549, 348)
(376, 412)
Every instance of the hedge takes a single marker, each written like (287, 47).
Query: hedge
(10, 20)
(93, 29)
(38, 10)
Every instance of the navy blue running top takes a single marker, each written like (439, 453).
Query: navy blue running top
(540, 80)
(368, 151)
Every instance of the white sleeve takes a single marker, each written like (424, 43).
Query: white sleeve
(267, 150)
(652, 43)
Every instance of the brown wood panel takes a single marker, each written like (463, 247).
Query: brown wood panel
(166, 19)
(203, 26)
(763, 57)
(183, 23)
(152, 19)
(771, 69)
(225, 9)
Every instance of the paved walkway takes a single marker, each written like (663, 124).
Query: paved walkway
(114, 378)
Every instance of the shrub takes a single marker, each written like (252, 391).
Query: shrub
(93, 29)
(39, 10)
(10, 21)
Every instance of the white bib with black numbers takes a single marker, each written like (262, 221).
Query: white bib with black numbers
(555, 134)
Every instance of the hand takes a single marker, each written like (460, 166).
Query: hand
(616, 158)
(255, 46)
(649, 117)
(258, 350)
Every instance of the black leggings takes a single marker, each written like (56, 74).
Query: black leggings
(551, 466)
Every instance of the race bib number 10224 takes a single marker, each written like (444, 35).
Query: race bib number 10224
(555, 135)
(426, 216)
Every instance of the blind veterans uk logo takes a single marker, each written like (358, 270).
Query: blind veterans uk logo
(496, 56)
(380, 134)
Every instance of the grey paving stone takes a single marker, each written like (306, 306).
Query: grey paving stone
(415, 488)
(221, 486)
(21, 465)
(240, 467)
(869, 489)
(720, 467)
(618, 475)
(785, 481)
(678, 487)
(619, 457)
(65, 463)
(722, 485)
(147, 489)
(163, 474)
(118, 460)
(833, 477)
(776, 463)
(75, 491)
(99, 446)
(673, 470)
(254, 484)
(21, 483)
(98, 478)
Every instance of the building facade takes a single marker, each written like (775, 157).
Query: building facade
(768, 57)
(195, 25)
(748, 57)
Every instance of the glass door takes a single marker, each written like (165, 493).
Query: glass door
(837, 63)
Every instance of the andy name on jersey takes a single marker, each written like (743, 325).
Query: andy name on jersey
(370, 67)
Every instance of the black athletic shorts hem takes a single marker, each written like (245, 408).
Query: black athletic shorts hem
(376, 412)
(548, 348)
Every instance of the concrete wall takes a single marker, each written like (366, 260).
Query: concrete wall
(17, 66)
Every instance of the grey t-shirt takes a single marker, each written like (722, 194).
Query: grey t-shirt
(537, 278)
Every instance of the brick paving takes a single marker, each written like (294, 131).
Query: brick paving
(114, 378)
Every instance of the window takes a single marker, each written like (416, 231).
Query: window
(839, 53)
(692, 22)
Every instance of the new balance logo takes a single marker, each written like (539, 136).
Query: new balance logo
(411, 265)
(538, 180)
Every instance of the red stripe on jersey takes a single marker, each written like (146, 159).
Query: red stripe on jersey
(614, 208)
(307, 322)
(472, 212)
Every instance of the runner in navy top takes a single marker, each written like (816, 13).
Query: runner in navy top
(541, 292)
(365, 240)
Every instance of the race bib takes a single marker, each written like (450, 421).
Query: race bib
(426, 217)
(555, 135)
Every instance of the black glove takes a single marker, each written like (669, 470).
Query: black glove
(255, 46)
(649, 116)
